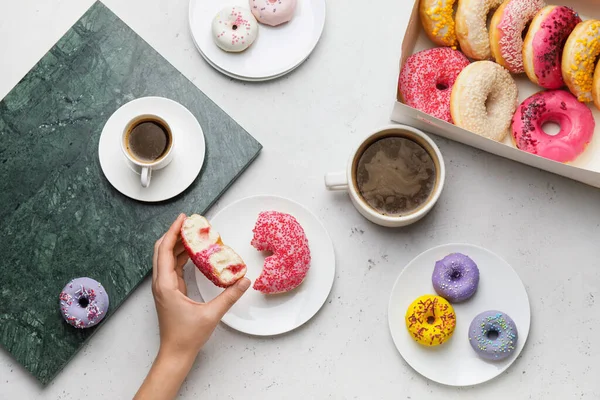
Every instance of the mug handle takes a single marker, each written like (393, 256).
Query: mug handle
(146, 176)
(336, 181)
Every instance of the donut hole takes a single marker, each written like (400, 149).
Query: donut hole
(455, 274)
(83, 302)
(430, 320)
(492, 334)
(234, 27)
(442, 86)
(551, 128)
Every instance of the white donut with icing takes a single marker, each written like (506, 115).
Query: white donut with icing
(273, 12)
(234, 29)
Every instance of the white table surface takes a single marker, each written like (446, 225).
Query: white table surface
(547, 227)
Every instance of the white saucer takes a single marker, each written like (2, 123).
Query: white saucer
(188, 151)
(455, 363)
(264, 315)
(275, 52)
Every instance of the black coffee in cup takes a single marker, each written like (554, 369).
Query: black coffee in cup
(395, 176)
(148, 139)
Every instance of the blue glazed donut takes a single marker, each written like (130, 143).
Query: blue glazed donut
(493, 335)
(455, 277)
(83, 302)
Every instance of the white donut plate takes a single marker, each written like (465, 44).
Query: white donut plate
(276, 50)
(455, 363)
(264, 315)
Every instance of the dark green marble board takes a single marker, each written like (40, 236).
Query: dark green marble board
(59, 217)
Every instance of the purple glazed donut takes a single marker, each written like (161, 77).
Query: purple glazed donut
(455, 277)
(83, 302)
(493, 335)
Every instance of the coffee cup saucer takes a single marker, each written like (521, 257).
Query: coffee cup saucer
(189, 150)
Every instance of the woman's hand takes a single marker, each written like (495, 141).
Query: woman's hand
(185, 325)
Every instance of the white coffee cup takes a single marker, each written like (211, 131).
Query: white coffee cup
(346, 180)
(145, 168)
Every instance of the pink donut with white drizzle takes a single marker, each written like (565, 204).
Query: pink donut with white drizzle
(273, 12)
(506, 32)
(544, 43)
(287, 267)
(561, 107)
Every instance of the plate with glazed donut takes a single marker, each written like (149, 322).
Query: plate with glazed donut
(459, 314)
(281, 298)
(256, 40)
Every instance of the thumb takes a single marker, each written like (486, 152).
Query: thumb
(223, 302)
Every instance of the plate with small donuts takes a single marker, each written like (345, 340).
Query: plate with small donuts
(256, 40)
(459, 314)
(280, 246)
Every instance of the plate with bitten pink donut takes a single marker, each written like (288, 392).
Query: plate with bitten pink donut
(256, 40)
(280, 246)
(459, 314)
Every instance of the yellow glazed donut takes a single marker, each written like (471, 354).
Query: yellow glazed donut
(471, 27)
(579, 57)
(596, 88)
(484, 99)
(430, 320)
(438, 21)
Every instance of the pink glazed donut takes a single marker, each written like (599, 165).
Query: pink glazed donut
(273, 12)
(544, 43)
(427, 78)
(561, 107)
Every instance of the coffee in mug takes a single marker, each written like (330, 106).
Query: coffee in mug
(395, 176)
(148, 139)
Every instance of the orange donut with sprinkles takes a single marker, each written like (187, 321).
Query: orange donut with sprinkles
(430, 320)
(437, 17)
(579, 59)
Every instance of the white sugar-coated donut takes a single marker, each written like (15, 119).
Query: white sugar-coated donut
(471, 27)
(234, 29)
(484, 99)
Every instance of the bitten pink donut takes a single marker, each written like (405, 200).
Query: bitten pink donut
(281, 234)
(427, 78)
(273, 12)
(561, 107)
(544, 43)
(506, 32)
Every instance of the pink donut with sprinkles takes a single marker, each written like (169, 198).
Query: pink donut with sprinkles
(287, 267)
(506, 32)
(561, 107)
(544, 43)
(427, 78)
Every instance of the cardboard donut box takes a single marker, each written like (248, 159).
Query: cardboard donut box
(586, 168)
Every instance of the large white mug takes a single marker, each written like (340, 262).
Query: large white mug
(146, 167)
(346, 180)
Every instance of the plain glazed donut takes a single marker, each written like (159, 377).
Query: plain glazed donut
(544, 43)
(455, 277)
(484, 99)
(561, 107)
(438, 21)
(83, 302)
(219, 263)
(234, 29)
(579, 57)
(286, 269)
(493, 335)
(430, 320)
(427, 78)
(506, 31)
(273, 12)
(471, 27)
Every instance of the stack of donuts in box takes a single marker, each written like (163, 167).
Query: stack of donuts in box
(468, 81)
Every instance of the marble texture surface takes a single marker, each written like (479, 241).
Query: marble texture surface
(60, 219)
(545, 226)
